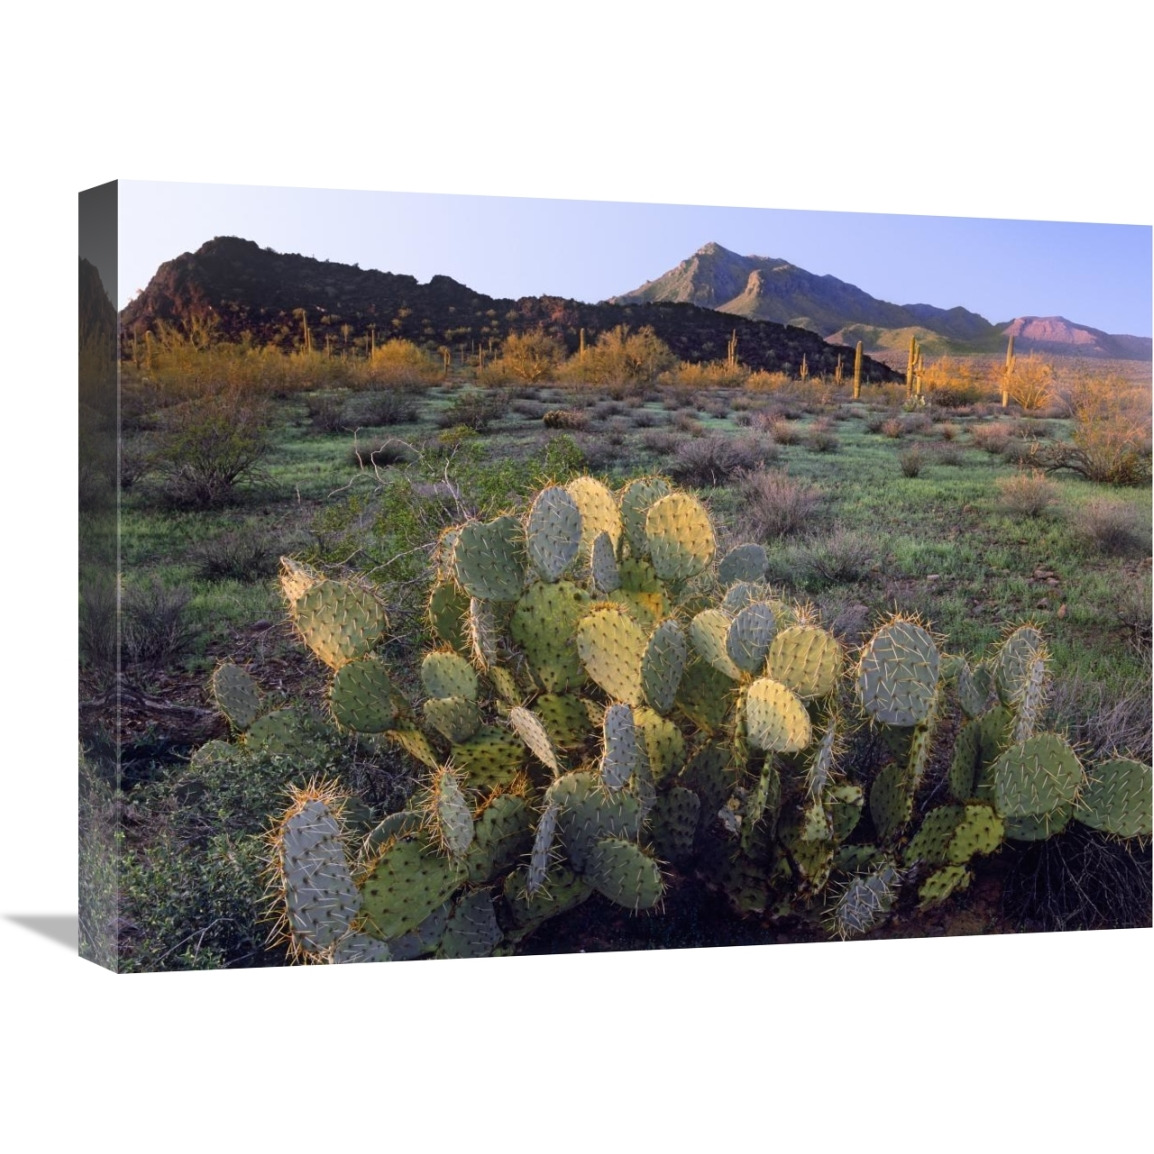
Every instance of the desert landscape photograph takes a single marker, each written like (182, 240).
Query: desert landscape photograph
(503, 576)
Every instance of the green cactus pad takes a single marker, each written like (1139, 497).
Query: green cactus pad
(455, 718)
(446, 674)
(489, 559)
(749, 635)
(450, 817)
(662, 742)
(761, 810)
(236, 695)
(963, 770)
(612, 646)
(472, 930)
(361, 696)
(708, 634)
(395, 825)
(854, 859)
(544, 625)
(563, 891)
(286, 733)
(745, 563)
(588, 813)
(423, 939)
(680, 536)
(532, 732)
(993, 733)
(503, 834)
(636, 499)
(807, 659)
(1036, 776)
(642, 593)
(603, 565)
(705, 695)
(407, 885)
(775, 719)
(490, 759)
(1039, 827)
(624, 873)
(620, 744)
(504, 683)
(1116, 799)
(296, 579)
(953, 834)
(448, 608)
(553, 532)
(415, 744)
(321, 900)
(675, 817)
(941, 884)
(359, 948)
(541, 853)
(845, 804)
(743, 593)
(974, 688)
(216, 752)
(1031, 698)
(339, 622)
(1012, 662)
(898, 674)
(599, 512)
(666, 653)
(820, 766)
(565, 718)
(865, 901)
(891, 802)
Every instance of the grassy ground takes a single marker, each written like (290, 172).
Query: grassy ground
(944, 544)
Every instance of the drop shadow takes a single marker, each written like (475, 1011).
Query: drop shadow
(59, 928)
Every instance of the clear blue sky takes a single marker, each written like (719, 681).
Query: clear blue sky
(1094, 274)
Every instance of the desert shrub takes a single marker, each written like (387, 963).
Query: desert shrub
(623, 358)
(716, 459)
(396, 363)
(209, 445)
(245, 554)
(686, 423)
(1030, 383)
(1133, 605)
(564, 419)
(326, 413)
(156, 629)
(892, 427)
(993, 438)
(662, 442)
(395, 406)
(1027, 494)
(952, 382)
(706, 375)
(1110, 526)
(379, 455)
(917, 423)
(1111, 439)
(766, 382)
(912, 460)
(949, 454)
(821, 440)
(875, 422)
(646, 419)
(529, 408)
(947, 431)
(784, 432)
(775, 504)
(532, 356)
(844, 556)
(475, 410)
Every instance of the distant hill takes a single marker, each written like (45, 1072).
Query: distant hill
(766, 288)
(255, 293)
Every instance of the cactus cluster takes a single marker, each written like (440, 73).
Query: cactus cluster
(608, 705)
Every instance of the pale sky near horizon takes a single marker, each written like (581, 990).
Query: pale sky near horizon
(1094, 274)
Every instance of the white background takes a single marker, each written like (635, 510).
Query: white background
(1025, 1041)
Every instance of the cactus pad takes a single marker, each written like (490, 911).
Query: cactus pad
(529, 729)
(472, 930)
(705, 695)
(296, 579)
(891, 802)
(489, 559)
(612, 646)
(553, 532)
(624, 873)
(708, 633)
(680, 536)
(775, 719)
(807, 659)
(898, 674)
(636, 499)
(750, 632)
(675, 818)
(587, 814)
(1036, 776)
(599, 512)
(942, 883)
(666, 652)
(361, 696)
(407, 885)
(339, 622)
(620, 745)
(1011, 664)
(603, 565)
(1116, 799)
(864, 902)
(446, 674)
(662, 743)
(236, 695)
(448, 608)
(490, 759)
(745, 563)
(455, 718)
(544, 625)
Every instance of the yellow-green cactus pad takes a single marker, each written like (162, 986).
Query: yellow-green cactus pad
(544, 625)
(489, 559)
(680, 536)
(599, 512)
(1116, 799)
(446, 674)
(775, 719)
(1036, 776)
(806, 658)
(361, 696)
(636, 499)
(339, 621)
(530, 730)
(708, 634)
(612, 645)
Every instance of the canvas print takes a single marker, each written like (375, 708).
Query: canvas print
(475, 576)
